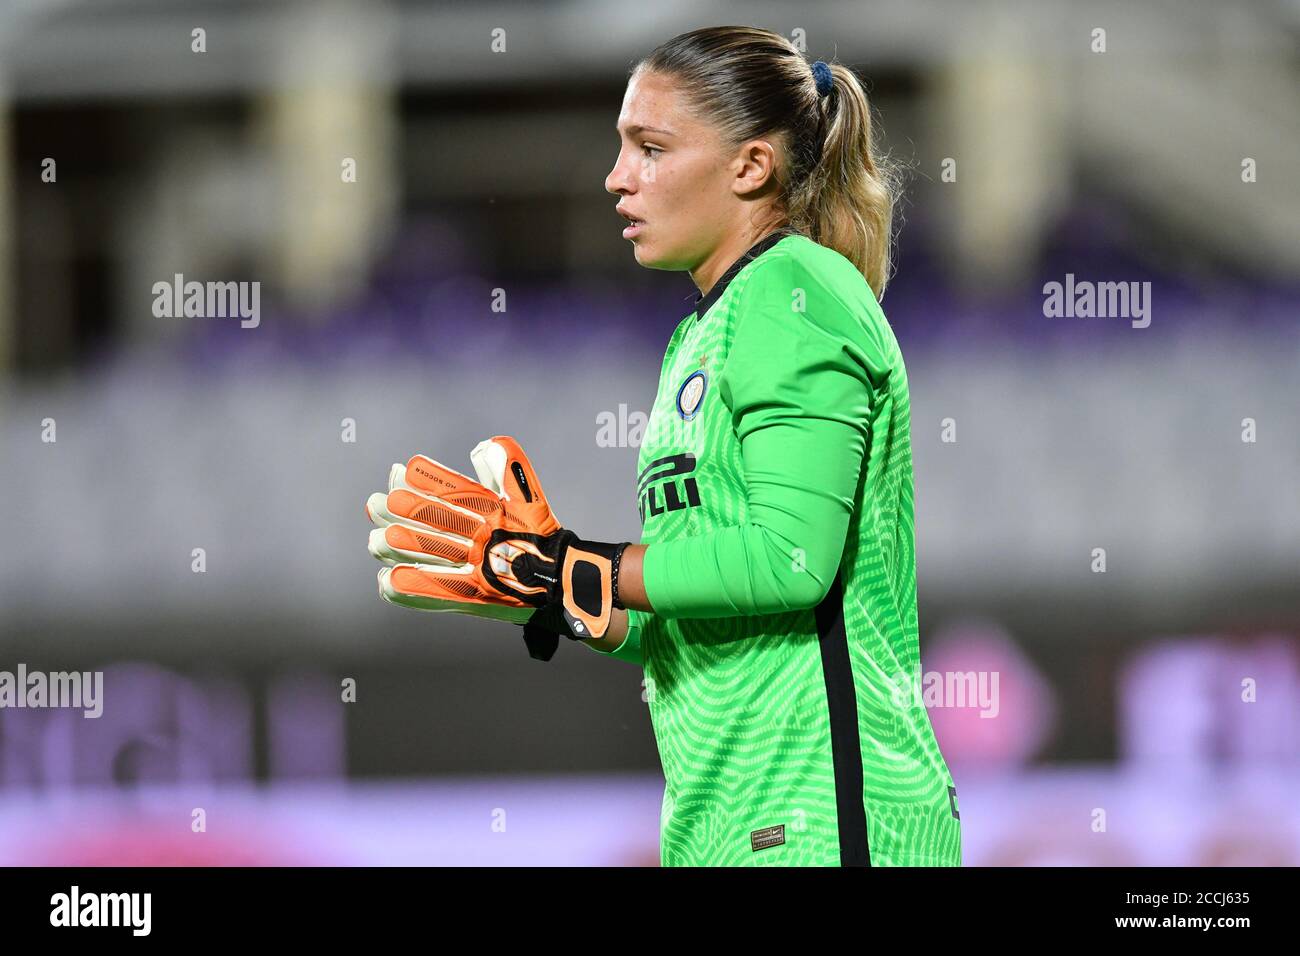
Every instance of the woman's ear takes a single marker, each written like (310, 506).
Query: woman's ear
(755, 167)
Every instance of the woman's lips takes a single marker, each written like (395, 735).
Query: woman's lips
(633, 228)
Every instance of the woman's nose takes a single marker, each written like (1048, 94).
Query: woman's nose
(618, 181)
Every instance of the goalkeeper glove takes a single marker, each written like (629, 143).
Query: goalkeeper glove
(491, 547)
(542, 633)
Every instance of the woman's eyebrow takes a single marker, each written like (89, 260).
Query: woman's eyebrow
(634, 129)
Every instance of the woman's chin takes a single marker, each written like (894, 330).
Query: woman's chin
(646, 255)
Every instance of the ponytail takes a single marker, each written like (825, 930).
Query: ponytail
(846, 201)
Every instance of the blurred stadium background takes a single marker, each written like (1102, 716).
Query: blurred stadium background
(1147, 714)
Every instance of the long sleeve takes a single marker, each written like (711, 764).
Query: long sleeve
(798, 385)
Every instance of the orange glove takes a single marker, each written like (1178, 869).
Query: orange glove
(492, 547)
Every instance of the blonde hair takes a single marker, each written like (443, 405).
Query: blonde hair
(836, 187)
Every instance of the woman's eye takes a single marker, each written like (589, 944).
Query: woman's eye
(651, 151)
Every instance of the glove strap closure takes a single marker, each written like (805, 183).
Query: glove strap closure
(587, 586)
(559, 570)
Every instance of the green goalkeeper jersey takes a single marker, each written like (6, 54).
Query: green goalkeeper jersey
(781, 660)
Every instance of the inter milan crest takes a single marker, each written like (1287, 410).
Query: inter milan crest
(691, 394)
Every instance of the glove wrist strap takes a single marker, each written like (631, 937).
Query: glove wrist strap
(618, 557)
(587, 586)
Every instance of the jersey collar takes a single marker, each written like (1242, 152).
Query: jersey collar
(704, 302)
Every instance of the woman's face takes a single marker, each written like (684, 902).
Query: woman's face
(673, 175)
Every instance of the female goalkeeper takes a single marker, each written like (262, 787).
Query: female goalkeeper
(772, 599)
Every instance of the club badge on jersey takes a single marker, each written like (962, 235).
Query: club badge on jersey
(691, 394)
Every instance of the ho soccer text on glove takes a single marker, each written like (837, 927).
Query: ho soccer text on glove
(491, 547)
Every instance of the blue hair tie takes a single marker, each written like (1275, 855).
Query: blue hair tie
(822, 75)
